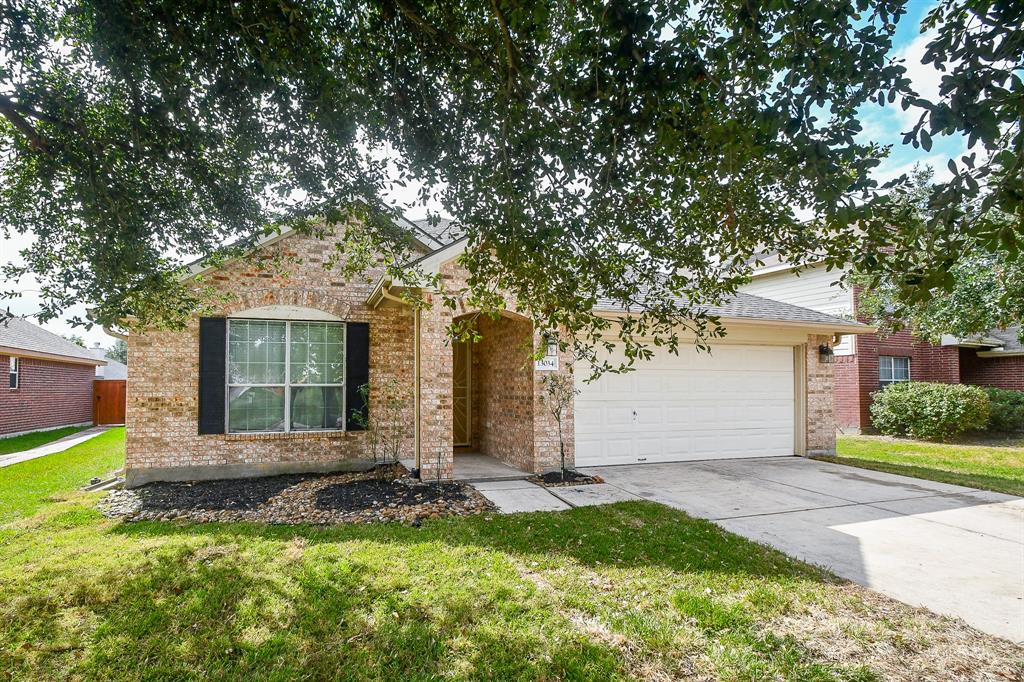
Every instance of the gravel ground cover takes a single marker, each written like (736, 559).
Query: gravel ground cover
(386, 493)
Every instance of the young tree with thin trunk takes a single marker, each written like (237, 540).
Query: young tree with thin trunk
(559, 392)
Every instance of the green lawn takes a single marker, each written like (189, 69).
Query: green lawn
(629, 591)
(26, 486)
(989, 465)
(33, 440)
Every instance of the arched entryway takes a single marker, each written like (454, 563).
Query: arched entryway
(493, 391)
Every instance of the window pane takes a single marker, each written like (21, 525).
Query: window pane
(317, 408)
(255, 409)
(901, 369)
(885, 368)
(256, 352)
(317, 353)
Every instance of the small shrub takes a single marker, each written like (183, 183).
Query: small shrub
(1007, 411)
(929, 411)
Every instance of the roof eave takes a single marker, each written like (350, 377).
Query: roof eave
(820, 327)
(1000, 353)
(41, 355)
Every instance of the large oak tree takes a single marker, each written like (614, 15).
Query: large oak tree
(641, 150)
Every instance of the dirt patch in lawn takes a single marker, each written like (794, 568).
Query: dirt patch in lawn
(386, 493)
(900, 642)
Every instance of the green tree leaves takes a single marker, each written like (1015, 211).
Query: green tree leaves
(984, 289)
(640, 150)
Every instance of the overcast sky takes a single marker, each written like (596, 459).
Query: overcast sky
(884, 125)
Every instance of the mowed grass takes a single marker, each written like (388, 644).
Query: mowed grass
(997, 466)
(9, 446)
(26, 486)
(628, 591)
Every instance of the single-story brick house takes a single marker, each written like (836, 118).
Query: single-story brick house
(269, 382)
(867, 362)
(47, 379)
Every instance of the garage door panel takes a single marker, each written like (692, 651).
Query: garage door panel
(679, 414)
(648, 447)
(681, 447)
(736, 402)
(648, 382)
(587, 415)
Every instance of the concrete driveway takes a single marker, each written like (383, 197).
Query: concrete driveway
(957, 551)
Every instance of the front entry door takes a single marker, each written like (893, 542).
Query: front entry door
(462, 431)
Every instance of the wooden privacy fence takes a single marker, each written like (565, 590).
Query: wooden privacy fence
(108, 399)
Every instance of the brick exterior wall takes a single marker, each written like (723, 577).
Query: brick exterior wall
(546, 451)
(50, 394)
(436, 371)
(1005, 373)
(502, 386)
(820, 415)
(847, 390)
(511, 420)
(857, 375)
(162, 404)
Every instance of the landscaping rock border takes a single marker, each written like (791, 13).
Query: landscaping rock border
(386, 493)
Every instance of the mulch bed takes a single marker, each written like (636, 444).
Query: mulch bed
(554, 479)
(385, 493)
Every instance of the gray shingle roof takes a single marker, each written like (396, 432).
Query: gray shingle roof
(437, 236)
(434, 237)
(114, 369)
(1010, 338)
(748, 306)
(20, 334)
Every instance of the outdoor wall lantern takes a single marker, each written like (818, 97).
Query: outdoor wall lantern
(825, 355)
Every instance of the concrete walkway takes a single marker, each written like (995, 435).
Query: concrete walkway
(954, 550)
(59, 445)
(511, 497)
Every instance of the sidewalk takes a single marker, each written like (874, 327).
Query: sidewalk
(58, 445)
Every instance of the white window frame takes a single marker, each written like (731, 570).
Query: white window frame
(14, 372)
(892, 368)
(287, 376)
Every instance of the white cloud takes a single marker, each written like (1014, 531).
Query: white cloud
(887, 172)
(924, 78)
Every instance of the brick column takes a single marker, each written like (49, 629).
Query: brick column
(546, 452)
(821, 419)
(435, 392)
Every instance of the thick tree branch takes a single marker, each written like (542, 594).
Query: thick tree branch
(9, 110)
(510, 48)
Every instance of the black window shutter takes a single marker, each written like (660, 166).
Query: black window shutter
(357, 371)
(212, 373)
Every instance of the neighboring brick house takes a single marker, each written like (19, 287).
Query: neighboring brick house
(867, 362)
(269, 381)
(47, 379)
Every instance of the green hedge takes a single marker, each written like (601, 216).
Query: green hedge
(929, 411)
(1007, 411)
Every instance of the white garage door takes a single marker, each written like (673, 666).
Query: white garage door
(735, 402)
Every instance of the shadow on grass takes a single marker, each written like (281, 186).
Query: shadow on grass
(447, 600)
(626, 534)
(223, 619)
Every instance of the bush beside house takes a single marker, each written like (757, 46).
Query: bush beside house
(1006, 414)
(930, 411)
